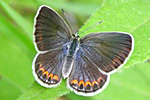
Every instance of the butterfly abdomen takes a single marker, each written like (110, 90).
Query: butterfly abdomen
(73, 47)
(67, 67)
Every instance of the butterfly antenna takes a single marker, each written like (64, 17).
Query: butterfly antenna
(92, 26)
(67, 19)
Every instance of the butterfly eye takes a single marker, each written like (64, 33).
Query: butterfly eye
(73, 35)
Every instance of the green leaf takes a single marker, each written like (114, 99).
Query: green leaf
(15, 64)
(77, 7)
(132, 84)
(7, 87)
(13, 31)
(15, 61)
(21, 22)
(37, 92)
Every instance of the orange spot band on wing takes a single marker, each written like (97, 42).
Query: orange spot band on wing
(40, 37)
(94, 82)
(88, 83)
(42, 69)
(46, 72)
(81, 82)
(50, 75)
(74, 81)
(99, 79)
(56, 77)
(40, 64)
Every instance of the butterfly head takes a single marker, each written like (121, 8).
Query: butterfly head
(76, 36)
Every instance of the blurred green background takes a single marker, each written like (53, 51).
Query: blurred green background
(17, 50)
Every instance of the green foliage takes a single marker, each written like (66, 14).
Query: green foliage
(75, 6)
(37, 92)
(16, 54)
(17, 49)
(24, 24)
(13, 92)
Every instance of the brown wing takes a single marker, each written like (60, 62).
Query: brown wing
(51, 31)
(85, 78)
(47, 67)
(108, 51)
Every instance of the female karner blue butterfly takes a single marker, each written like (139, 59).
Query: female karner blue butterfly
(86, 62)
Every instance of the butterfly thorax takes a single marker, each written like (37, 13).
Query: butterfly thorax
(74, 45)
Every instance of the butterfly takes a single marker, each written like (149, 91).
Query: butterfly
(86, 62)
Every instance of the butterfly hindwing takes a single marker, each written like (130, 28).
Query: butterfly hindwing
(51, 31)
(108, 51)
(85, 78)
(47, 67)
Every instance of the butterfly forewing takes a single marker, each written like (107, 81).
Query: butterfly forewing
(85, 78)
(108, 51)
(51, 31)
